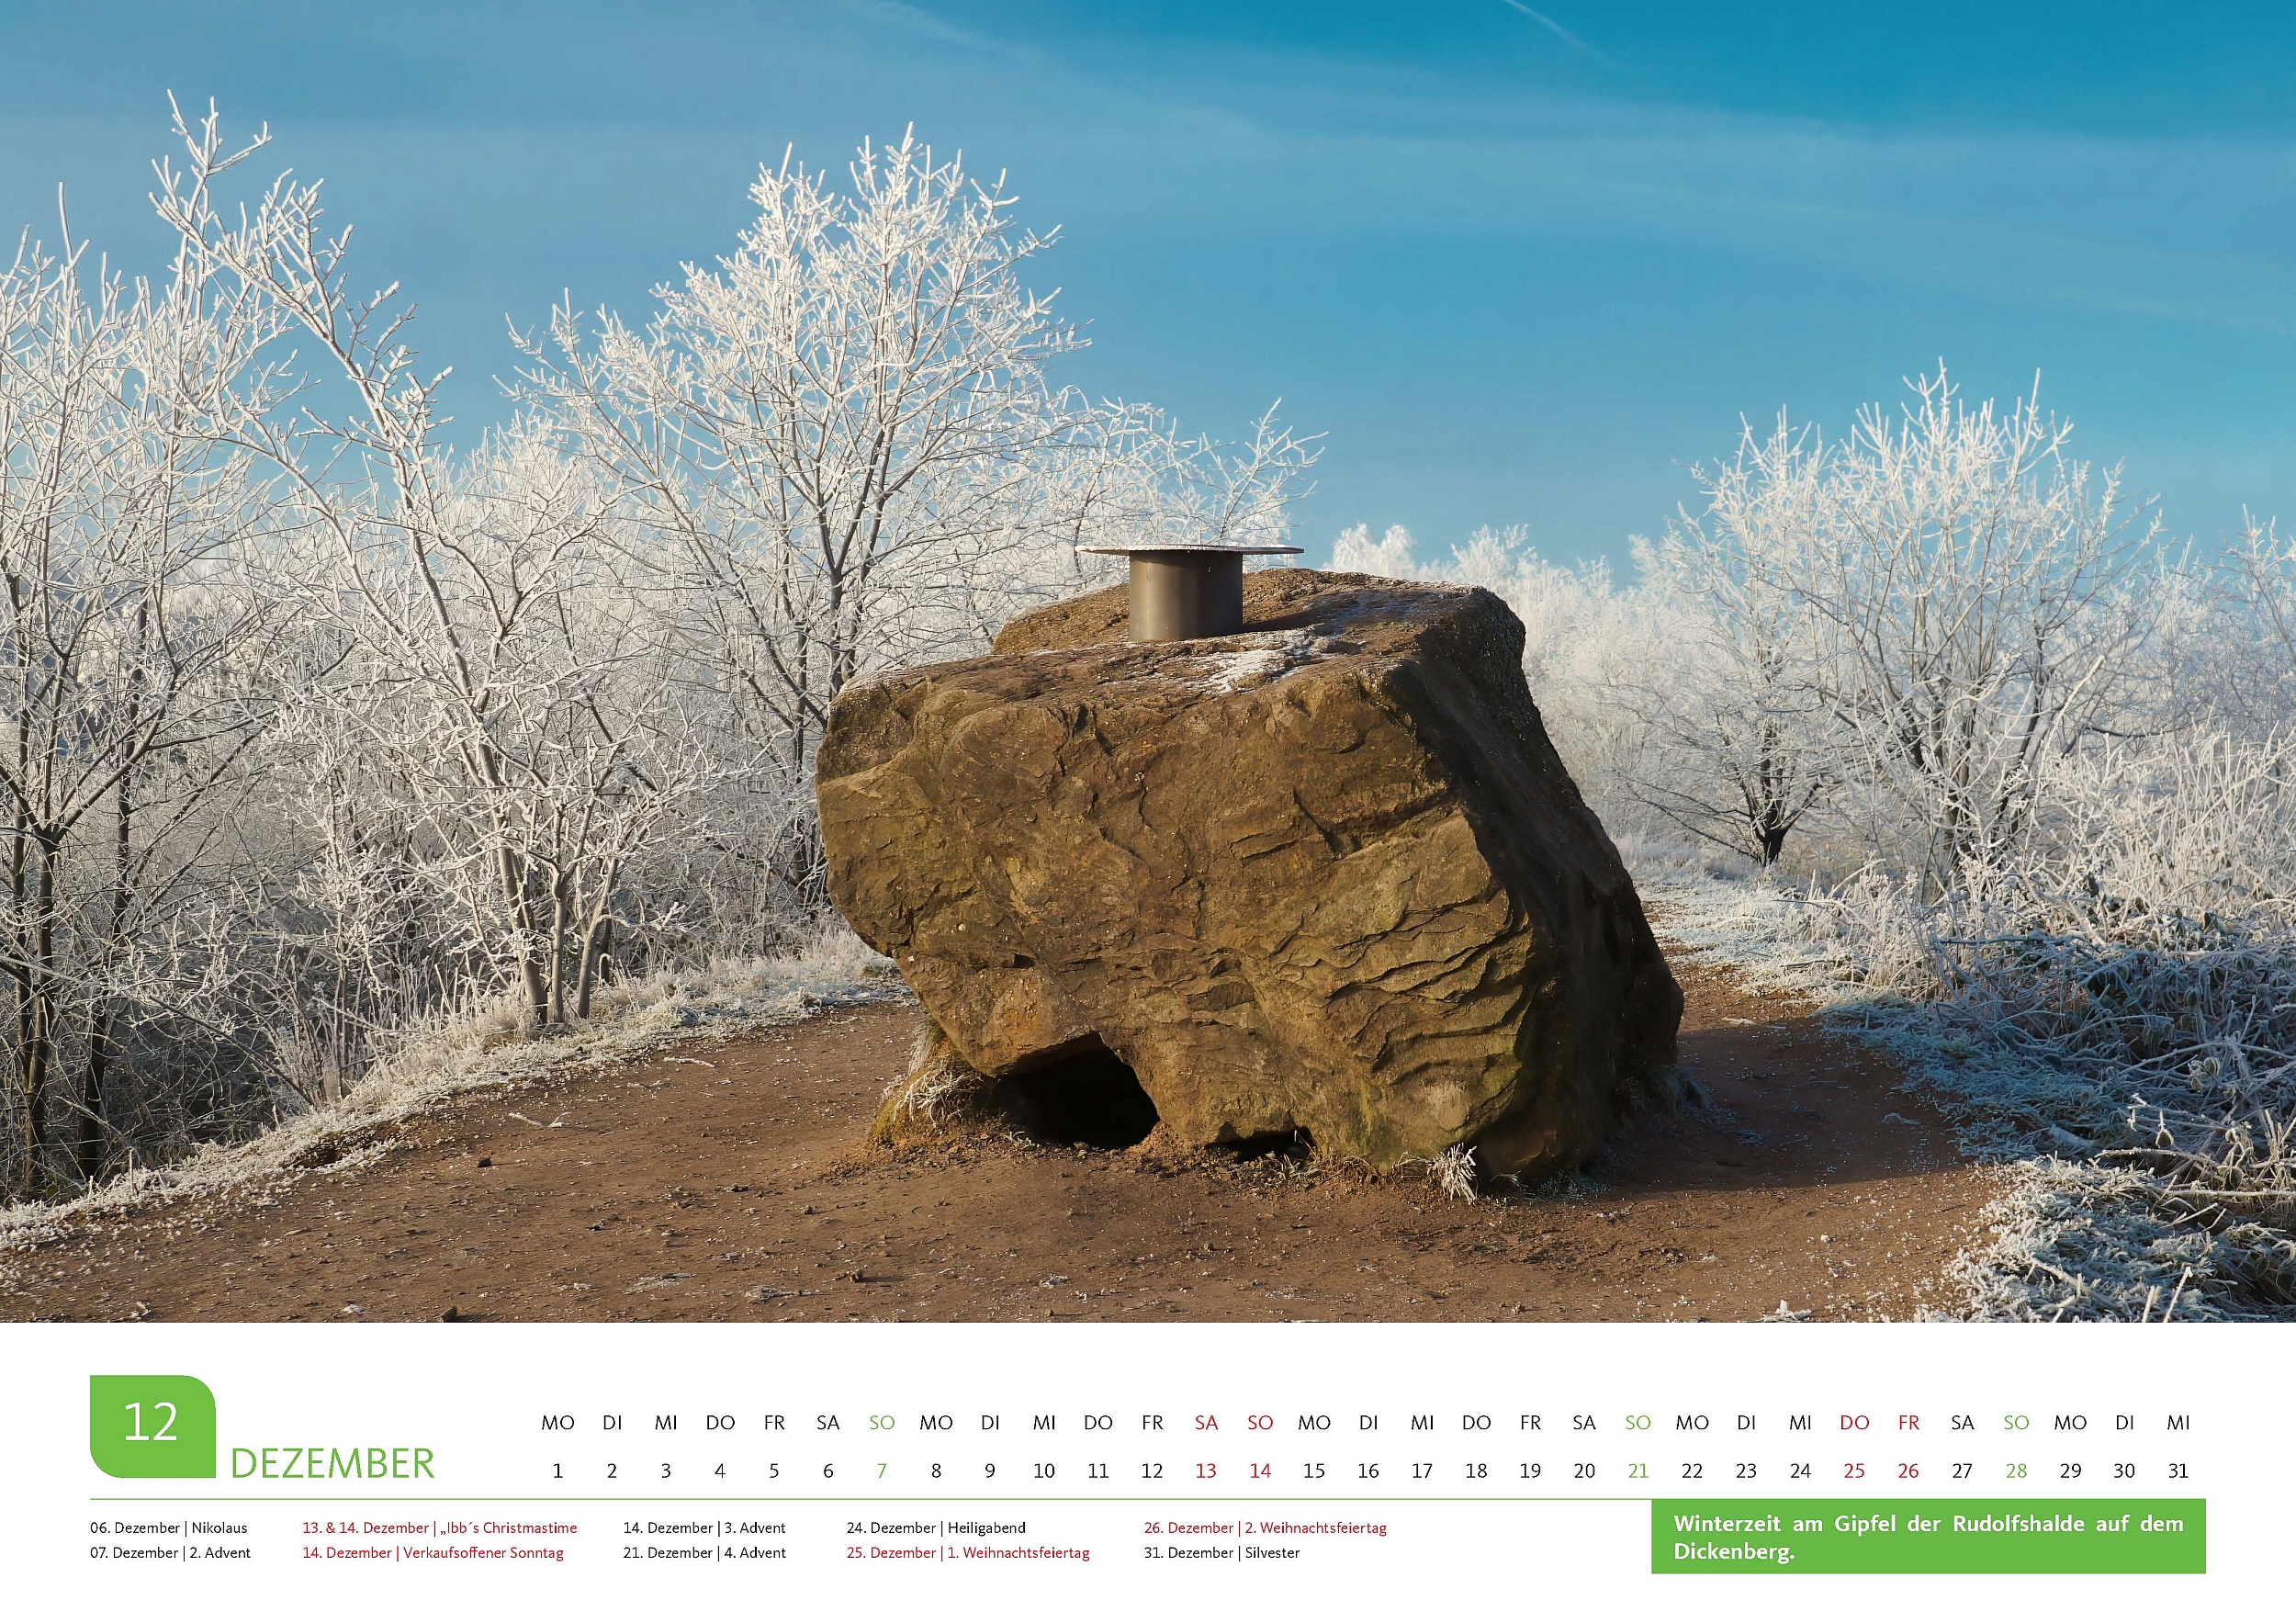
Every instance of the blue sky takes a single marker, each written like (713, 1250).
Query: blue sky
(1520, 265)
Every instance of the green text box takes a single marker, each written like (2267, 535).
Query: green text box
(1928, 1536)
(151, 1425)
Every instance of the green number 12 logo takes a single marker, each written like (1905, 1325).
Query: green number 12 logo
(148, 1426)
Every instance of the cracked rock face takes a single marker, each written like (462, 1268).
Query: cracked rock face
(1326, 874)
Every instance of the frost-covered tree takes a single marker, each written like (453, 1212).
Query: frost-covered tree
(841, 448)
(831, 437)
(132, 636)
(124, 613)
(1739, 745)
(2252, 660)
(514, 699)
(1972, 581)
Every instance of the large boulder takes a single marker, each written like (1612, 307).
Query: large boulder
(1326, 874)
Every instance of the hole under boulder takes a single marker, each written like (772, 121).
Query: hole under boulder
(1086, 1096)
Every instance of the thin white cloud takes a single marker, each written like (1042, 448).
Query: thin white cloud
(1561, 33)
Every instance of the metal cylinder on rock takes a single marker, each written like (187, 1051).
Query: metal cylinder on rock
(1181, 592)
(1185, 594)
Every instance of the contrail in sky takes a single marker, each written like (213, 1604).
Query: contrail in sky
(1561, 33)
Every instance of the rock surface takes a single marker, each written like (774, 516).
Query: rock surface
(1327, 874)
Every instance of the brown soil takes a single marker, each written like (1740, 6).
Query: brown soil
(727, 1182)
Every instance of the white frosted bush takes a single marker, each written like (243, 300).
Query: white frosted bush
(1583, 640)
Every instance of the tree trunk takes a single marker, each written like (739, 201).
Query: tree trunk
(24, 1112)
(597, 932)
(558, 950)
(39, 1047)
(522, 921)
(94, 1107)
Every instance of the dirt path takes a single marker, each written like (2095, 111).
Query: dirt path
(720, 1184)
